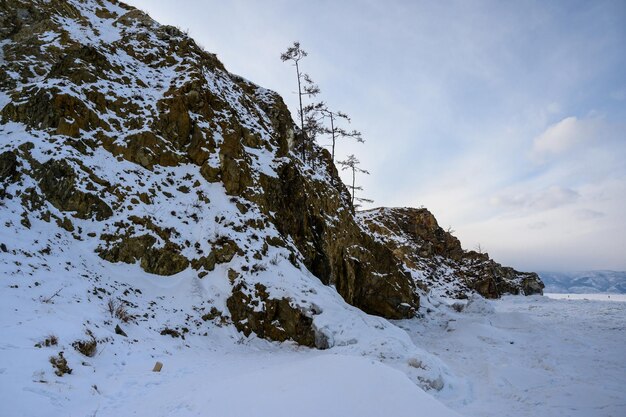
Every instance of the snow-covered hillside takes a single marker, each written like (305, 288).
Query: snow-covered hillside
(585, 282)
(436, 260)
(209, 368)
(151, 202)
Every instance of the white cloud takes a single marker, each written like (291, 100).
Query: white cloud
(537, 225)
(586, 214)
(545, 199)
(565, 135)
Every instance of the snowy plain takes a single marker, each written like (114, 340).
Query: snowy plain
(531, 356)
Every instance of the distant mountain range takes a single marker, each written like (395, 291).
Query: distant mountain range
(585, 282)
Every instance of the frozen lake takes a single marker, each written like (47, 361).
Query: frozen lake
(596, 297)
(531, 356)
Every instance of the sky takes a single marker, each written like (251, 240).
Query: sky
(507, 120)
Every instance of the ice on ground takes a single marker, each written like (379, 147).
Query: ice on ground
(596, 297)
(531, 356)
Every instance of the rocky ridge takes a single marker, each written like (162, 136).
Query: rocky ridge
(124, 137)
(436, 260)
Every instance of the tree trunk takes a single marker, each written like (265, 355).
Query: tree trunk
(332, 129)
(301, 114)
(353, 185)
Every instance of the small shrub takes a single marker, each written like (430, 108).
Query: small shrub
(86, 347)
(50, 340)
(48, 300)
(118, 309)
(170, 332)
(111, 306)
(59, 363)
(121, 312)
(275, 260)
(415, 363)
(212, 314)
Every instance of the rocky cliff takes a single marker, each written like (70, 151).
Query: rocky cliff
(436, 260)
(124, 138)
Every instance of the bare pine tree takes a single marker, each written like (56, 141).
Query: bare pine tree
(306, 86)
(337, 132)
(352, 164)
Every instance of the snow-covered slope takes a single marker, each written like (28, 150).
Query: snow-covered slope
(585, 282)
(209, 367)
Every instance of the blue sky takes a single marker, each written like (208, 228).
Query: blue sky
(506, 119)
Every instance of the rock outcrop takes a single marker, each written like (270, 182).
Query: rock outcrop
(436, 259)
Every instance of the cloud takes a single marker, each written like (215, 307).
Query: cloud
(586, 214)
(545, 199)
(563, 136)
(537, 225)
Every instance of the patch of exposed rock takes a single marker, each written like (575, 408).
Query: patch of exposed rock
(253, 310)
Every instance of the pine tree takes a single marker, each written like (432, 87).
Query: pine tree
(352, 164)
(313, 126)
(336, 132)
(306, 86)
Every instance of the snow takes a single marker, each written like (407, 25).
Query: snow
(321, 385)
(212, 368)
(595, 296)
(528, 356)
(518, 356)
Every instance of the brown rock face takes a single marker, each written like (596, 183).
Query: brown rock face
(164, 261)
(253, 310)
(65, 114)
(129, 249)
(319, 219)
(437, 259)
(57, 180)
(8, 166)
